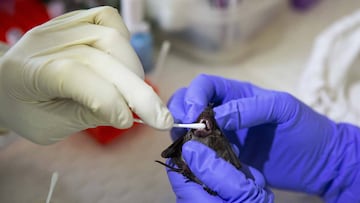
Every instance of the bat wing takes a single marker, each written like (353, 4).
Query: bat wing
(174, 149)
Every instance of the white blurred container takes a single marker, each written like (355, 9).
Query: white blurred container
(209, 31)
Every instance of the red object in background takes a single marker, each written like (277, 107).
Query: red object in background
(19, 16)
(107, 134)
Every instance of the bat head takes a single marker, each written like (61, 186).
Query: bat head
(207, 118)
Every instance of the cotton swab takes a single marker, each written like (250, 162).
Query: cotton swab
(180, 125)
(54, 179)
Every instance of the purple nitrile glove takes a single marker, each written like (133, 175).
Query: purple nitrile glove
(219, 175)
(303, 4)
(292, 145)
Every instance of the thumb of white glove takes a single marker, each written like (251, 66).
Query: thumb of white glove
(74, 72)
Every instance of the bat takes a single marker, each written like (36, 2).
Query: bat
(211, 136)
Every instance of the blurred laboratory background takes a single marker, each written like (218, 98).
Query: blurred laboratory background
(271, 43)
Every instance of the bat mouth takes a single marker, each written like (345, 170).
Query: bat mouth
(208, 125)
(205, 131)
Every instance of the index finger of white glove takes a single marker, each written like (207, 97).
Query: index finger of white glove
(139, 96)
(68, 78)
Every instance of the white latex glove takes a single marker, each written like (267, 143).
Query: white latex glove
(74, 72)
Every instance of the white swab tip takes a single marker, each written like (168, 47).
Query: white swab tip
(180, 125)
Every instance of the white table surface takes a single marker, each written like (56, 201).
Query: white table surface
(125, 171)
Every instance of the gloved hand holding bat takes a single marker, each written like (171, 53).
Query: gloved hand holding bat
(292, 145)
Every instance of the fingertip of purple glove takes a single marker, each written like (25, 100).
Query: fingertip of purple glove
(193, 112)
(228, 116)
